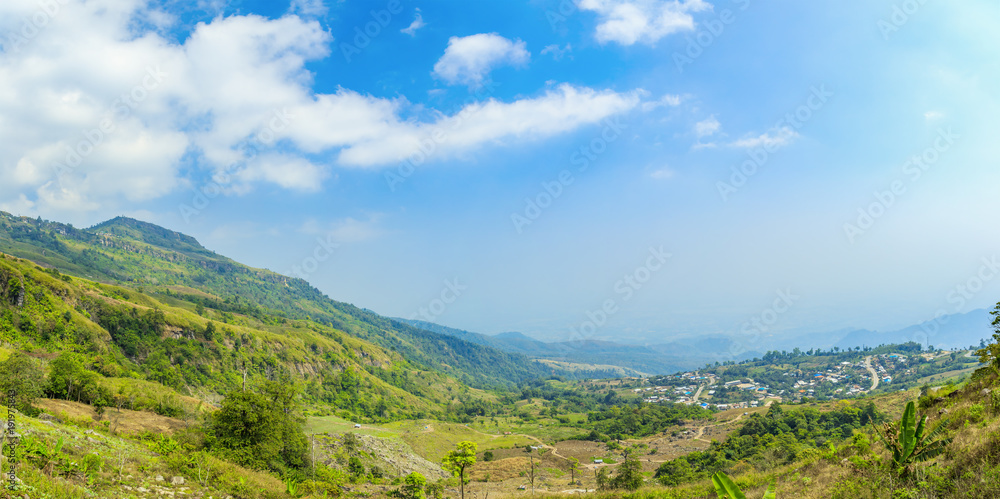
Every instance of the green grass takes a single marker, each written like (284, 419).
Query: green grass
(545, 429)
(337, 426)
(945, 376)
(434, 442)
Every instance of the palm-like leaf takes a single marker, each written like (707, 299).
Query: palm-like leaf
(771, 492)
(910, 442)
(725, 487)
(907, 431)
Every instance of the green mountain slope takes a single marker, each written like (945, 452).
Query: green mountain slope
(175, 266)
(136, 346)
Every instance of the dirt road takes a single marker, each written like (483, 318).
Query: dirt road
(868, 365)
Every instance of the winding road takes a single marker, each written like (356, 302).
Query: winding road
(701, 429)
(868, 365)
(697, 394)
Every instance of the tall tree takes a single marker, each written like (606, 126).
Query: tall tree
(261, 429)
(21, 376)
(989, 354)
(458, 460)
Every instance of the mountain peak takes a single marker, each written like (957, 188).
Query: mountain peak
(148, 233)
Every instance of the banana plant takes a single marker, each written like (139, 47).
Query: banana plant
(38, 452)
(909, 442)
(726, 489)
(292, 487)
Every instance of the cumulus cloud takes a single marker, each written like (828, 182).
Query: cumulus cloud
(93, 109)
(468, 60)
(628, 22)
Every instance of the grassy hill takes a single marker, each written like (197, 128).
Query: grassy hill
(174, 268)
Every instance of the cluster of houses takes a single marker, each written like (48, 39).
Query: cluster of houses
(847, 379)
(677, 394)
(757, 391)
(893, 358)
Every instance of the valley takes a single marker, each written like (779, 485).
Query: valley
(149, 367)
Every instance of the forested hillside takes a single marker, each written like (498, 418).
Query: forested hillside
(176, 268)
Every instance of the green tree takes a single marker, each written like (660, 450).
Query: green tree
(66, 374)
(628, 476)
(990, 354)
(22, 376)
(603, 480)
(413, 487)
(458, 460)
(574, 465)
(356, 467)
(261, 429)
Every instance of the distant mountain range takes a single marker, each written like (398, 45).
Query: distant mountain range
(946, 332)
(661, 358)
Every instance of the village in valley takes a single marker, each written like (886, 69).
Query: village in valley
(829, 376)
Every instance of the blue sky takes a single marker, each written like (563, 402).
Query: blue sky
(527, 165)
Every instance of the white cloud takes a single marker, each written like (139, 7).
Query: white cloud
(707, 127)
(286, 171)
(771, 140)
(667, 100)
(628, 22)
(308, 7)
(557, 52)
(560, 110)
(418, 22)
(233, 97)
(468, 60)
